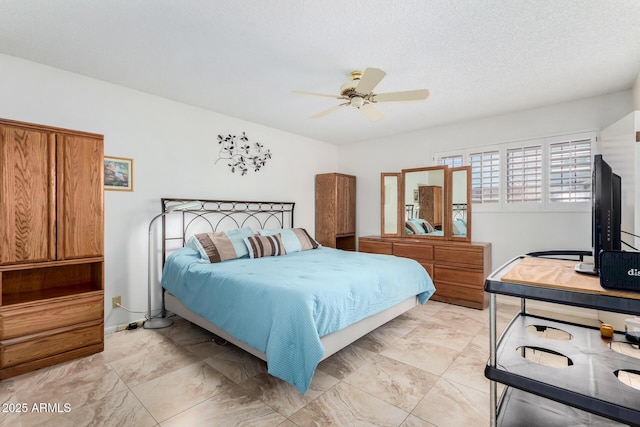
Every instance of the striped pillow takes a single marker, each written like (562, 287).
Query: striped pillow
(221, 245)
(217, 247)
(294, 239)
(261, 246)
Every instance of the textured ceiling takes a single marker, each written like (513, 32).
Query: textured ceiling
(244, 58)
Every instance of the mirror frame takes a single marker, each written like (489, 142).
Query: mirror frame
(449, 202)
(446, 223)
(399, 213)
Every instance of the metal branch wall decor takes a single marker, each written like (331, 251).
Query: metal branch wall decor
(242, 155)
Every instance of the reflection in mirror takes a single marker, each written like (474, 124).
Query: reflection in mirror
(424, 202)
(460, 207)
(390, 204)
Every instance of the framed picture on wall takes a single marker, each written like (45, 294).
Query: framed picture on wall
(118, 174)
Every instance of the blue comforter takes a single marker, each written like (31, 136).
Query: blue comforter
(282, 305)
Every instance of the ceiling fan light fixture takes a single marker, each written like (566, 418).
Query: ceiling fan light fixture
(357, 101)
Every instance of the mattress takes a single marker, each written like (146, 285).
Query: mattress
(282, 305)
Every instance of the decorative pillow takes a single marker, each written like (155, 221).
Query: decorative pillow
(261, 246)
(425, 225)
(415, 228)
(455, 229)
(460, 226)
(221, 245)
(294, 239)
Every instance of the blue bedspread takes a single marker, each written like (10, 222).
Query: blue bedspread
(282, 305)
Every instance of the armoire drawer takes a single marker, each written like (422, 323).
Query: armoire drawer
(419, 252)
(20, 320)
(44, 344)
(459, 275)
(375, 247)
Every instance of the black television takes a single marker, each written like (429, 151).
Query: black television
(606, 213)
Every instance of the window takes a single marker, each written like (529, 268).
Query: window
(451, 161)
(570, 171)
(524, 174)
(485, 177)
(552, 173)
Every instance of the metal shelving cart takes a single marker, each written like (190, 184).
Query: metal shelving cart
(585, 392)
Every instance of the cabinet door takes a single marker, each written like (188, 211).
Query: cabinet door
(27, 202)
(346, 205)
(80, 196)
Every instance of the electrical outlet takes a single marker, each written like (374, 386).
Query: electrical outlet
(115, 302)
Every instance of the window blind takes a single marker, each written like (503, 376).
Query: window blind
(570, 171)
(451, 161)
(524, 174)
(485, 177)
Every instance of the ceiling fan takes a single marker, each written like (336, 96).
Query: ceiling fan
(358, 93)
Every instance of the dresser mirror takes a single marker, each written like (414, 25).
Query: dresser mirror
(424, 202)
(390, 196)
(460, 206)
(430, 202)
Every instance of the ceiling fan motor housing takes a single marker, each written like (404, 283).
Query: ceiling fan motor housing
(348, 89)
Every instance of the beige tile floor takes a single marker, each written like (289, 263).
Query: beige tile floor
(424, 368)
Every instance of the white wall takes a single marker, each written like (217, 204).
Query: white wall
(618, 144)
(174, 147)
(636, 93)
(510, 233)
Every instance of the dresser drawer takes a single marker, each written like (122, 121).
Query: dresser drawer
(460, 294)
(459, 275)
(419, 252)
(458, 255)
(23, 320)
(45, 344)
(375, 247)
(429, 267)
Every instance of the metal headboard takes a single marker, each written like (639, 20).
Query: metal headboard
(459, 211)
(220, 215)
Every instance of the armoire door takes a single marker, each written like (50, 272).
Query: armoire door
(346, 205)
(80, 181)
(27, 201)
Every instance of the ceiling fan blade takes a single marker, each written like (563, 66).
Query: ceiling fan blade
(410, 95)
(371, 112)
(369, 80)
(329, 111)
(301, 92)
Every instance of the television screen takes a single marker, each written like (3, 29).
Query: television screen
(606, 213)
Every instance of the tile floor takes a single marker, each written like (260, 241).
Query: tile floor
(424, 368)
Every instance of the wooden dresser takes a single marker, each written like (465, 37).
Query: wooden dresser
(458, 269)
(51, 246)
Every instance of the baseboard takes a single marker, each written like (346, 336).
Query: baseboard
(123, 326)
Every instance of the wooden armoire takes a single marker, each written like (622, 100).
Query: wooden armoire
(51, 246)
(430, 202)
(336, 210)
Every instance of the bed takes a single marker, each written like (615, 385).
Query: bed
(291, 310)
(418, 226)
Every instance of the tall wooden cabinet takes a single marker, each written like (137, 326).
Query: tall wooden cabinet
(430, 202)
(51, 246)
(336, 210)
